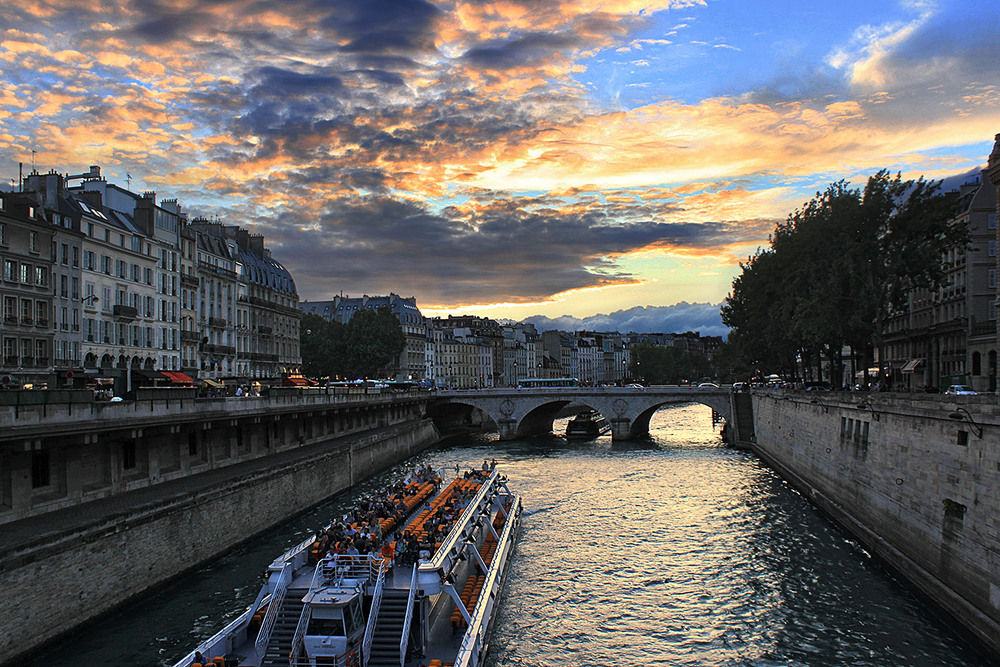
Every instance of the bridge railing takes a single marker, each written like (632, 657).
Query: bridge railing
(168, 410)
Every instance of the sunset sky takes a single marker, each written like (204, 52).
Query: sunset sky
(506, 158)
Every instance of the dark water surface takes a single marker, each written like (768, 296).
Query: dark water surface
(675, 551)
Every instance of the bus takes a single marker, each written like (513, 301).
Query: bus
(535, 383)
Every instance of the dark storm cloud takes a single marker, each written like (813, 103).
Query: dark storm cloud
(168, 27)
(507, 252)
(381, 25)
(278, 82)
(515, 52)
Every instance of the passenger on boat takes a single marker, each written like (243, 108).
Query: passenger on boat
(199, 659)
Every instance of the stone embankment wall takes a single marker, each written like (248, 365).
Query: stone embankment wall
(915, 479)
(116, 549)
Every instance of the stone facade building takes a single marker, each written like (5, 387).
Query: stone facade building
(26, 246)
(949, 335)
(131, 288)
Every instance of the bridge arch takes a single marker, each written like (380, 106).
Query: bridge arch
(518, 413)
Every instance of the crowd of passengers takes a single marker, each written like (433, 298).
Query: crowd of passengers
(359, 532)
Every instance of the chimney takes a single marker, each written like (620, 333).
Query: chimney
(243, 239)
(47, 187)
(93, 199)
(144, 212)
(257, 244)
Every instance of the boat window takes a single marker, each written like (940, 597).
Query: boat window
(326, 627)
(355, 617)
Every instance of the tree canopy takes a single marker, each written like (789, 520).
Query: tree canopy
(363, 348)
(658, 364)
(836, 268)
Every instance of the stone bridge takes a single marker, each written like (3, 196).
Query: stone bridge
(524, 412)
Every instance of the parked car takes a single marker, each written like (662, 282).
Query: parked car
(960, 390)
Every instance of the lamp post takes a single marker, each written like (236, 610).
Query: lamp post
(515, 374)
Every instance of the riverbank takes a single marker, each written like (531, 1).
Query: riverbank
(915, 480)
(70, 566)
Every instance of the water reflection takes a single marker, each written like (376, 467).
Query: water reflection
(670, 551)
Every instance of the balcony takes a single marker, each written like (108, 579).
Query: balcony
(42, 322)
(218, 349)
(27, 321)
(10, 319)
(125, 312)
(217, 270)
(10, 361)
(265, 330)
(218, 322)
(41, 362)
(261, 356)
(190, 335)
(190, 281)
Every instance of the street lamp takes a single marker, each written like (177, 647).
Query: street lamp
(515, 373)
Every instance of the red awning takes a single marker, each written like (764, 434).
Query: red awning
(176, 377)
(295, 381)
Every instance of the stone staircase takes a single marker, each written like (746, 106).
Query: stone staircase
(743, 405)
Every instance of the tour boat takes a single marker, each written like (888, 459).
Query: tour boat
(434, 608)
(588, 424)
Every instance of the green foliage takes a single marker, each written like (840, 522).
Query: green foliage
(656, 364)
(835, 270)
(373, 338)
(362, 348)
(320, 342)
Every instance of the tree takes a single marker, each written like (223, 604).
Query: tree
(321, 344)
(372, 339)
(360, 349)
(837, 267)
(759, 314)
(659, 364)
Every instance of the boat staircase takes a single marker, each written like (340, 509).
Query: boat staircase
(280, 644)
(389, 630)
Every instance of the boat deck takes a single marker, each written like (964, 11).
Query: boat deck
(441, 622)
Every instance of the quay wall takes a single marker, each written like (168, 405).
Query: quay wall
(915, 479)
(55, 584)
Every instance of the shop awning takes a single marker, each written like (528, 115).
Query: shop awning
(298, 381)
(208, 382)
(912, 364)
(176, 377)
(148, 374)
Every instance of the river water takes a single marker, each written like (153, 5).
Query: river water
(673, 551)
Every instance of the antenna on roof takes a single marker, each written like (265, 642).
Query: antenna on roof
(32, 159)
(128, 181)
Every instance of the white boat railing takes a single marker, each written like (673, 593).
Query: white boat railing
(277, 598)
(444, 559)
(474, 641)
(300, 633)
(366, 645)
(404, 641)
(334, 570)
